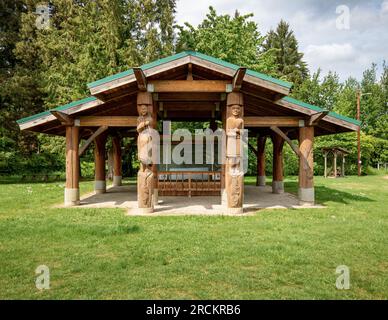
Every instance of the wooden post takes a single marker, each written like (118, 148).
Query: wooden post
(277, 164)
(222, 177)
(343, 166)
(99, 164)
(155, 165)
(234, 173)
(117, 173)
(335, 164)
(306, 168)
(72, 166)
(325, 164)
(260, 180)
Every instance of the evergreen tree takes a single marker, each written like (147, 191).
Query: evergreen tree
(289, 60)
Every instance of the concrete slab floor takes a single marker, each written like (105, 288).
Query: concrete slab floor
(255, 198)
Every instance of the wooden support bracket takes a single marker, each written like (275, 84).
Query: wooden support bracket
(254, 150)
(140, 78)
(292, 145)
(91, 139)
(238, 79)
(64, 118)
(287, 139)
(316, 117)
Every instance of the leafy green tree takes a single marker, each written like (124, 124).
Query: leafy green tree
(323, 93)
(374, 104)
(86, 40)
(234, 39)
(289, 60)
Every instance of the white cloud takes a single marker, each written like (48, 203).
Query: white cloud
(330, 52)
(348, 52)
(384, 7)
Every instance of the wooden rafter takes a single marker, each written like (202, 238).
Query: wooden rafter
(316, 117)
(64, 118)
(91, 139)
(238, 79)
(278, 96)
(140, 78)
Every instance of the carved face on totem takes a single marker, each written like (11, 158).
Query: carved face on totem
(143, 110)
(236, 110)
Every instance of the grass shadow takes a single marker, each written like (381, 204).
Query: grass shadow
(324, 194)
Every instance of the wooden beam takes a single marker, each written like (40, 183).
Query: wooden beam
(189, 96)
(280, 121)
(278, 96)
(304, 160)
(189, 72)
(254, 150)
(141, 79)
(91, 139)
(64, 118)
(316, 117)
(189, 106)
(110, 121)
(287, 139)
(238, 79)
(188, 86)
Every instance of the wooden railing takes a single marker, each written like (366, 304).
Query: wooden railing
(189, 183)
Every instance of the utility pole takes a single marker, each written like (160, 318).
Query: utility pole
(358, 134)
(359, 95)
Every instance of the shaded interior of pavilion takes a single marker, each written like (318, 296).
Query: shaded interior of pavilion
(189, 87)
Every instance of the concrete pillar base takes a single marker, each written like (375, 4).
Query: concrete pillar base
(99, 186)
(277, 187)
(156, 197)
(117, 181)
(234, 210)
(145, 210)
(306, 196)
(224, 197)
(261, 181)
(71, 197)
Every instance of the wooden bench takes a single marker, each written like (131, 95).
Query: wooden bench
(188, 183)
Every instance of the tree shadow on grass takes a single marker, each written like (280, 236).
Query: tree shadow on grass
(324, 194)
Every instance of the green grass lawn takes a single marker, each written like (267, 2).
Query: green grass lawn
(275, 254)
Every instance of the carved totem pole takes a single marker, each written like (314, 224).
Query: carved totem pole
(234, 174)
(145, 176)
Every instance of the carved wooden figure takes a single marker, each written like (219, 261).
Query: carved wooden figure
(234, 175)
(145, 177)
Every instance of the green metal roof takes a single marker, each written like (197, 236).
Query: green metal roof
(178, 56)
(60, 108)
(318, 109)
(194, 54)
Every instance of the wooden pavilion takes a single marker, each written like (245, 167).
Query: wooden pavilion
(336, 152)
(189, 86)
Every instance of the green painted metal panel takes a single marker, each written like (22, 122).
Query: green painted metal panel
(60, 108)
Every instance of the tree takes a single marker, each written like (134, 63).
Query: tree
(323, 93)
(86, 40)
(374, 105)
(234, 39)
(289, 60)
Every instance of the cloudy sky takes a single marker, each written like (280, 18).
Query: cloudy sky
(328, 39)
